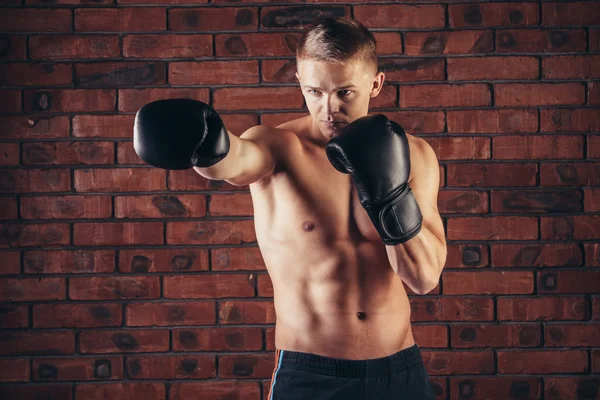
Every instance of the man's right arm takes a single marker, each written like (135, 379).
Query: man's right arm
(252, 156)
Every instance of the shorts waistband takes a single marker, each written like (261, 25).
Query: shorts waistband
(317, 364)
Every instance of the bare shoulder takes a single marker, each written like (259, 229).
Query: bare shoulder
(422, 157)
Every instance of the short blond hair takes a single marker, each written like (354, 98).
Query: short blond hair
(337, 40)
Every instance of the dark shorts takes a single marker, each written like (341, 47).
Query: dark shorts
(401, 376)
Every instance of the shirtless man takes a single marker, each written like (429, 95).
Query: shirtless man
(343, 316)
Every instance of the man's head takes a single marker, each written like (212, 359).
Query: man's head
(337, 71)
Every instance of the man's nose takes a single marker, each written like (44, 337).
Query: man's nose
(332, 105)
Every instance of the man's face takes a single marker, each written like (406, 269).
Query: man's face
(337, 93)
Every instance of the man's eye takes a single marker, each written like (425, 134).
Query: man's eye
(313, 91)
(345, 92)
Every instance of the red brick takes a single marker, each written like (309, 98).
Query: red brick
(571, 13)
(257, 98)
(235, 204)
(37, 343)
(538, 147)
(499, 174)
(430, 335)
(172, 367)
(568, 281)
(11, 263)
(77, 315)
(58, 47)
(279, 71)
(536, 255)
(299, 17)
(34, 127)
(10, 154)
(493, 14)
(493, 228)
(77, 369)
(494, 335)
(387, 98)
(68, 153)
(66, 207)
(460, 148)
(160, 206)
(444, 95)
(591, 199)
(571, 174)
(14, 370)
(103, 126)
(216, 390)
(10, 101)
(35, 20)
(596, 360)
(542, 361)
(23, 235)
(119, 180)
(167, 46)
(246, 312)
(34, 180)
(114, 288)
(539, 94)
(592, 255)
(388, 43)
(210, 232)
(570, 387)
(458, 362)
(451, 309)
(417, 122)
(593, 94)
(73, 2)
(246, 366)
(400, 16)
(265, 286)
(217, 339)
(35, 74)
(169, 313)
(131, 100)
(449, 42)
(235, 259)
(8, 207)
(146, 390)
(163, 260)
(130, 19)
(567, 335)
(13, 47)
(208, 286)
(213, 19)
(239, 123)
(70, 100)
(568, 228)
(481, 68)
(488, 282)
(497, 387)
(413, 69)
(32, 289)
(121, 74)
(257, 44)
(69, 261)
(18, 392)
(190, 180)
(213, 72)
(570, 120)
(127, 155)
(492, 121)
(540, 40)
(462, 202)
(565, 67)
(118, 233)
(543, 308)
(270, 338)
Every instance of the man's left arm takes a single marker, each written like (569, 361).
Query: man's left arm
(420, 260)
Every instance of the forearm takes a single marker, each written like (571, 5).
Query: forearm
(226, 167)
(418, 261)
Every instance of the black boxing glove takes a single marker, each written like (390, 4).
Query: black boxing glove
(179, 134)
(375, 152)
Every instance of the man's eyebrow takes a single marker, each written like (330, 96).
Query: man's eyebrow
(339, 88)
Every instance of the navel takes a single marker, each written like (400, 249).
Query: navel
(361, 315)
(308, 226)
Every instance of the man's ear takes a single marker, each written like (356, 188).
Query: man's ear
(377, 84)
(297, 77)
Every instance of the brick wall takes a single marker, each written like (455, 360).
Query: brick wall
(121, 281)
